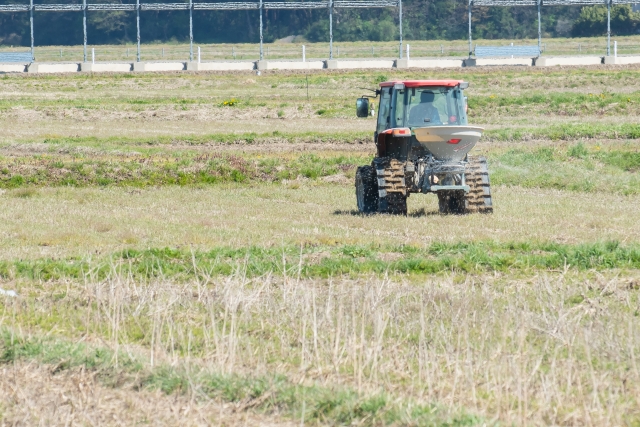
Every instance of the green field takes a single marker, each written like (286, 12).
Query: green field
(186, 249)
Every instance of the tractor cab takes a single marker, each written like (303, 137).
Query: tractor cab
(421, 117)
(420, 103)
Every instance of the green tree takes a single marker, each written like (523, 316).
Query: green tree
(593, 21)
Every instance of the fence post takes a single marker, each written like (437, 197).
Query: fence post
(138, 28)
(31, 23)
(330, 29)
(400, 25)
(261, 51)
(615, 49)
(93, 55)
(608, 27)
(84, 29)
(408, 56)
(539, 28)
(191, 30)
(470, 42)
(198, 54)
(304, 58)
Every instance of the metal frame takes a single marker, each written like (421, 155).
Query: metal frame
(295, 4)
(540, 3)
(191, 6)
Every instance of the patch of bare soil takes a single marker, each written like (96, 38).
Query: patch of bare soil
(35, 395)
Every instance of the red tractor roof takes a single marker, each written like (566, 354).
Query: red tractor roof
(422, 83)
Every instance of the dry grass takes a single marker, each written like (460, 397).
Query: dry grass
(526, 347)
(170, 104)
(34, 394)
(555, 349)
(65, 221)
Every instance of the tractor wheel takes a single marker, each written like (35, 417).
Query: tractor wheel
(366, 189)
(392, 190)
(393, 203)
(451, 202)
(477, 178)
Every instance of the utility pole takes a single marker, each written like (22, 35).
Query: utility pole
(400, 25)
(608, 27)
(470, 42)
(84, 28)
(138, 28)
(330, 29)
(539, 27)
(190, 30)
(31, 23)
(261, 48)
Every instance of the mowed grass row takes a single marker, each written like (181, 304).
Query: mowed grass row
(506, 132)
(336, 105)
(327, 94)
(328, 261)
(580, 167)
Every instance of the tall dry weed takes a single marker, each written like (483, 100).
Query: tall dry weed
(554, 349)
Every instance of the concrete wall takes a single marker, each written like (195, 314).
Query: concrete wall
(429, 63)
(621, 60)
(158, 66)
(13, 67)
(221, 66)
(363, 63)
(548, 61)
(480, 62)
(289, 65)
(435, 63)
(61, 67)
(119, 67)
(106, 67)
(492, 62)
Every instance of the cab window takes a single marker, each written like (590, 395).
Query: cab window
(432, 106)
(397, 110)
(383, 111)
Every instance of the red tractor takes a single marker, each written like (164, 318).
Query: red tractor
(423, 140)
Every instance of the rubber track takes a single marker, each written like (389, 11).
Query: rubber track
(479, 198)
(390, 174)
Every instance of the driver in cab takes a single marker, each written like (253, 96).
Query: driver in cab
(425, 112)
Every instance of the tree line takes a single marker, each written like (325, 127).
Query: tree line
(422, 20)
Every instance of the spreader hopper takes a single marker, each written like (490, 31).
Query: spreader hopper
(448, 143)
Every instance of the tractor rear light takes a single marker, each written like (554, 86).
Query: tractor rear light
(401, 132)
(454, 141)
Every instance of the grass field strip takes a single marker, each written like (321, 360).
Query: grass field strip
(591, 167)
(192, 240)
(499, 347)
(326, 262)
(419, 48)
